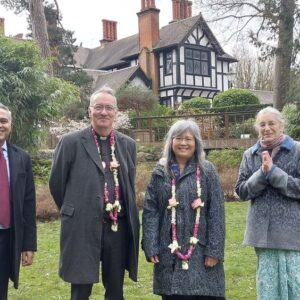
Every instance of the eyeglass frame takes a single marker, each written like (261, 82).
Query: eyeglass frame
(102, 107)
(187, 140)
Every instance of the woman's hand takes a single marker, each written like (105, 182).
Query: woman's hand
(154, 259)
(210, 261)
(267, 162)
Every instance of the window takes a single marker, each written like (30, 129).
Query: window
(168, 63)
(197, 62)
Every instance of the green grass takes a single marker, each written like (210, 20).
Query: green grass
(41, 282)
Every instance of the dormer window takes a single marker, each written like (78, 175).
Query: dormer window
(197, 62)
(168, 63)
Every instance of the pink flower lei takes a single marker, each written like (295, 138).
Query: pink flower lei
(112, 208)
(196, 205)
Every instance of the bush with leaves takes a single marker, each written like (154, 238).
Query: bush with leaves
(292, 115)
(136, 98)
(235, 97)
(245, 127)
(196, 104)
(33, 98)
(226, 158)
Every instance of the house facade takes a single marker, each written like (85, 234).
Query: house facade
(179, 61)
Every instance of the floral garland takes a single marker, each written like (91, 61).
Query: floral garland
(112, 208)
(196, 205)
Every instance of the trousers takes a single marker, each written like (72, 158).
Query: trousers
(113, 262)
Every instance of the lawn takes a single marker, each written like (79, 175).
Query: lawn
(41, 282)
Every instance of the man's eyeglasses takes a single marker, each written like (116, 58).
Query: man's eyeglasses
(100, 107)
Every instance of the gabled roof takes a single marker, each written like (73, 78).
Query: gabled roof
(112, 54)
(118, 52)
(115, 79)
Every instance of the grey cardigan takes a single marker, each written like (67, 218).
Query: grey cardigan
(274, 214)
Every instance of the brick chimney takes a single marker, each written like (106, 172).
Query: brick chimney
(109, 32)
(182, 9)
(148, 19)
(2, 31)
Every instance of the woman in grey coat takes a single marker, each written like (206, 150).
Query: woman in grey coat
(183, 220)
(270, 178)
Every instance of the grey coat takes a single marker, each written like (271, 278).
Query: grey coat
(169, 278)
(274, 214)
(77, 185)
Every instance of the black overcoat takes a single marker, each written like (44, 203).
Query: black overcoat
(22, 195)
(77, 186)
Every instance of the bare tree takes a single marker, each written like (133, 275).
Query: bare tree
(272, 24)
(251, 72)
(39, 30)
(38, 22)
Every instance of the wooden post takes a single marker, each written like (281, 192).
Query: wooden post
(150, 130)
(226, 129)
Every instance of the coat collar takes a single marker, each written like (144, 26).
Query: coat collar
(88, 142)
(287, 144)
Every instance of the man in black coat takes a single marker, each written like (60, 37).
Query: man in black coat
(17, 207)
(92, 183)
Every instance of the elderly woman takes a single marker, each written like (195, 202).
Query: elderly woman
(183, 220)
(270, 178)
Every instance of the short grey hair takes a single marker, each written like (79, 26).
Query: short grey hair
(4, 107)
(269, 109)
(103, 90)
(178, 128)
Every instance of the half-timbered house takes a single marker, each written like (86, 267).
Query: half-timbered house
(179, 61)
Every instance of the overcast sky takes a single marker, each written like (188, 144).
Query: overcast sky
(85, 18)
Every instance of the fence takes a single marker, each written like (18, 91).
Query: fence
(219, 130)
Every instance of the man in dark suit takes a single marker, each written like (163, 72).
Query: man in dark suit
(17, 207)
(92, 183)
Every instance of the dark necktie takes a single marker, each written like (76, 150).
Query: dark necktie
(4, 193)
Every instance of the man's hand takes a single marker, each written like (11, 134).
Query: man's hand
(210, 261)
(154, 259)
(27, 258)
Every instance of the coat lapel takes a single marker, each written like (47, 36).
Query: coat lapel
(88, 143)
(14, 161)
(121, 153)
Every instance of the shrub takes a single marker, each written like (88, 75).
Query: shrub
(246, 127)
(143, 175)
(226, 158)
(46, 209)
(235, 97)
(41, 169)
(292, 116)
(227, 162)
(198, 104)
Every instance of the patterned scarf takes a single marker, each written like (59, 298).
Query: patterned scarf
(273, 146)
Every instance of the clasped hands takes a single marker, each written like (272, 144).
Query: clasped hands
(267, 162)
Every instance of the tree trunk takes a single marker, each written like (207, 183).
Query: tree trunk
(284, 53)
(39, 30)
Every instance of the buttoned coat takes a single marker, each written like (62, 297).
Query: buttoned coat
(169, 277)
(77, 186)
(274, 213)
(22, 196)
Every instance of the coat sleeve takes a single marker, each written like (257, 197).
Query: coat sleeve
(286, 184)
(250, 183)
(215, 216)
(150, 220)
(60, 170)
(29, 210)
